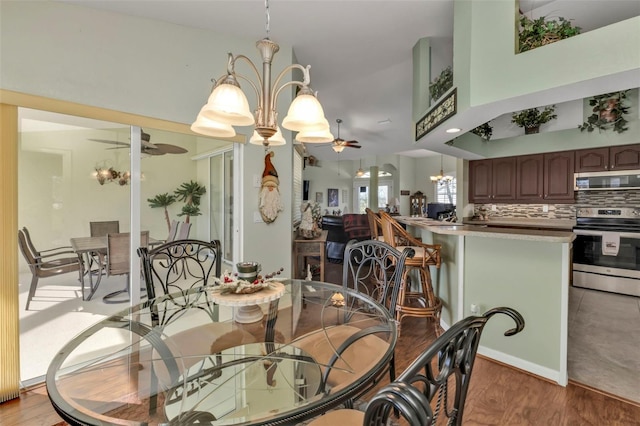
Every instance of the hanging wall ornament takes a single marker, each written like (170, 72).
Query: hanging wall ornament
(270, 203)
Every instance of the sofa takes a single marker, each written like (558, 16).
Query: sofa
(342, 229)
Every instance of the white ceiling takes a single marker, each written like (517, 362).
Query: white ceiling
(360, 51)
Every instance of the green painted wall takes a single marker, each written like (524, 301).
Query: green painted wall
(524, 275)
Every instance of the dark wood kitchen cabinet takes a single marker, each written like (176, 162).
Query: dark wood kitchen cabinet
(537, 178)
(558, 177)
(492, 180)
(623, 157)
(530, 178)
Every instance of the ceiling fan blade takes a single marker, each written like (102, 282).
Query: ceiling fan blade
(351, 142)
(170, 149)
(123, 144)
(353, 146)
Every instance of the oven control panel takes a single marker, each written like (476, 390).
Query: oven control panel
(613, 213)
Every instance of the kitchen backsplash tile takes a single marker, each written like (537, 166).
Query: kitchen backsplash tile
(619, 198)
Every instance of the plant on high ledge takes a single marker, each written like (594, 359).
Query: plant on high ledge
(539, 32)
(441, 84)
(532, 118)
(608, 110)
(484, 131)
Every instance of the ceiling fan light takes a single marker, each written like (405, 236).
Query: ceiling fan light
(208, 127)
(228, 104)
(276, 140)
(317, 136)
(360, 172)
(338, 148)
(305, 113)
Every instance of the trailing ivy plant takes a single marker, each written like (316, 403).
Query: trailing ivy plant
(484, 131)
(441, 84)
(608, 111)
(539, 32)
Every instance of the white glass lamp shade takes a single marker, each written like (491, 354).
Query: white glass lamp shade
(338, 148)
(360, 172)
(305, 113)
(315, 136)
(228, 104)
(276, 140)
(207, 127)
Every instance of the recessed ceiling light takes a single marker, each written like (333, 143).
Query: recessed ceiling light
(385, 121)
(453, 130)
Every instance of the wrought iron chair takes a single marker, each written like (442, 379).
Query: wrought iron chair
(434, 386)
(373, 268)
(45, 263)
(177, 277)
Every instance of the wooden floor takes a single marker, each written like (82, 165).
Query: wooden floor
(498, 395)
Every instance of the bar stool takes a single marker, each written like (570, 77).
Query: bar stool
(421, 303)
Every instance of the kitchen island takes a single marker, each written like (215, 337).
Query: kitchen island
(525, 269)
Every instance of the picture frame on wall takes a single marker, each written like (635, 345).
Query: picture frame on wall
(332, 197)
(319, 197)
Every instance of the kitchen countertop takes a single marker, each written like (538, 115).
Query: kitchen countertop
(483, 230)
(566, 224)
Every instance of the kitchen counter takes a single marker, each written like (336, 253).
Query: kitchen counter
(526, 268)
(483, 229)
(566, 224)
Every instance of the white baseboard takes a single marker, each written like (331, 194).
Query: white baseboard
(536, 369)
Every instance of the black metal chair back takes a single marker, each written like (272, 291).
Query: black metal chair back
(375, 268)
(442, 371)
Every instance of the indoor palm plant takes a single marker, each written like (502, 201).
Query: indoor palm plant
(539, 32)
(189, 192)
(532, 118)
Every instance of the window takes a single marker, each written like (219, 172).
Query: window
(446, 191)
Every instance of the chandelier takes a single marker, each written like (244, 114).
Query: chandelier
(228, 106)
(441, 177)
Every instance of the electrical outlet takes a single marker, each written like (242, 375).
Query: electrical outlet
(545, 208)
(494, 208)
(475, 309)
(257, 181)
(257, 218)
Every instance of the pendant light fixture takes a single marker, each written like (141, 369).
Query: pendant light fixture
(441, 178)
(228, 106)
(360, 172)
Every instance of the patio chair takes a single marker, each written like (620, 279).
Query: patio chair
(183, 232)
(102, 229)
(438, 377)
(45, 263)
(118, 260)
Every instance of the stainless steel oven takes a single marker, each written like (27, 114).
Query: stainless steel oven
(606, 251)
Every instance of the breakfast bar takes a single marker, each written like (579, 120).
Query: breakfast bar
(527, 269)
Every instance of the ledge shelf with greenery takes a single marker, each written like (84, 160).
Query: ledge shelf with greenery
(542, 31)
(532, 118)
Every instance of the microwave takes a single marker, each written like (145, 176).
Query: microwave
(621, 179)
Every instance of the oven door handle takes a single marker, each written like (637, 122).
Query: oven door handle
(599, 233)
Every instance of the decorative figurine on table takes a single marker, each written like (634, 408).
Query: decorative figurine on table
(309, 225)
(270, 203)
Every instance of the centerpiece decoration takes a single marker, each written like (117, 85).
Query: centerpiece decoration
(230, 283)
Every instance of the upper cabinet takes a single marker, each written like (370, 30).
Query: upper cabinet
(624, 157)
(534, 178)
(492, 180)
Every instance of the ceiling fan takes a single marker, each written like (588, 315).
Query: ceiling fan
(147, 147)
(339, 144)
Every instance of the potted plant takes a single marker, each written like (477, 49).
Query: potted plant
(539, 32)
(532, 118)
(189, 192)
(484, 131)
(441, 84)
(608, 111)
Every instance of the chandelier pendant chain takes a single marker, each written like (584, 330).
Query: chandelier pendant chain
(267, 17)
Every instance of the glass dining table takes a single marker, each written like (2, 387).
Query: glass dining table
(183, 359)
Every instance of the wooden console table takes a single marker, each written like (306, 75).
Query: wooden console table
(305, 248)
